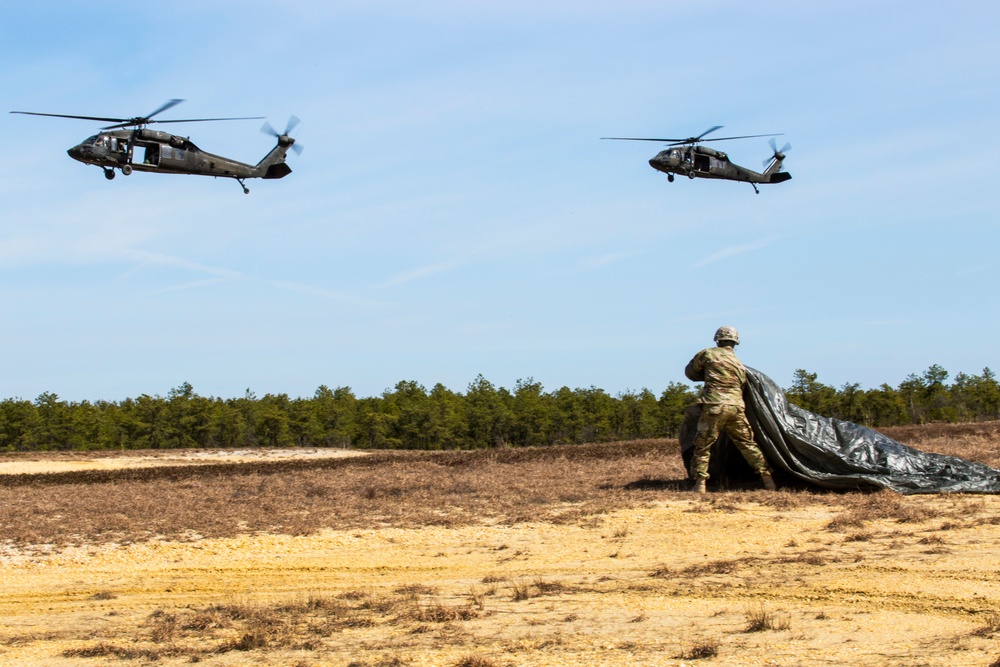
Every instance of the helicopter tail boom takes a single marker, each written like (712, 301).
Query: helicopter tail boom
(273, 165)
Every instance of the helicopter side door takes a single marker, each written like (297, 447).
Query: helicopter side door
(150, 155)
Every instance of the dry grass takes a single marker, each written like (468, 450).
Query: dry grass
(303, 623)
(700, 651)
(862, 509)
(402, 489)
(974, 441)
(760, 619)
(474, 660)
(409, 489)
(990, 626)
(108, 650)
(699, 570)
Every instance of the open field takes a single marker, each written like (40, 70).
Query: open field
(559, 556)
(49, 462)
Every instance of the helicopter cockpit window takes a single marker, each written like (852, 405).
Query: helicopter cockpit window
(99, 140)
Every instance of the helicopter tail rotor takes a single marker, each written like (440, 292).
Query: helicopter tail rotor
(774, 147)
(284, 138)
(777, 154)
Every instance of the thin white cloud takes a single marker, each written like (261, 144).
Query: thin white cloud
(425, 271)
(223, 275)
(323, 293)
(605, 260)
(732, 251)
(194, 284)
(13, 251)
(144, 259)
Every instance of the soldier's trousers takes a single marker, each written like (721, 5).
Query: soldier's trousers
(732, 420)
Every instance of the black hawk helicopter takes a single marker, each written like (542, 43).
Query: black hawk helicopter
(129, 145)
(688, 157)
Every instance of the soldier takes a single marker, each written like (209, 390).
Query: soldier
(722, 408)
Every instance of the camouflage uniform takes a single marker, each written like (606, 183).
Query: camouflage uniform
(722, 408)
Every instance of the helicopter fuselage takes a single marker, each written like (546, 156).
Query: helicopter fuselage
(128, 145)
(690, 158)
(155, 151)
(704, 162)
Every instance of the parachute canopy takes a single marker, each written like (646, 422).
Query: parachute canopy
(807, 448)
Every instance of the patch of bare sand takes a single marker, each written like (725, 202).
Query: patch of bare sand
(54, 462)
(658, 585)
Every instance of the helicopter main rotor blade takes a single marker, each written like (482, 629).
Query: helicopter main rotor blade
(163, 107)
(637, 139)
(147, 121)
(690, 140)
(708, 131)
(205, 120)
(693, 140)
(138, 120)
(63, 115)
(745, 136)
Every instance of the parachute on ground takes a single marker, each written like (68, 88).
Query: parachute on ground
(807, 449)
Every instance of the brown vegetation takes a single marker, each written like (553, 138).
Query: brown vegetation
(579, 490)
(402, 489)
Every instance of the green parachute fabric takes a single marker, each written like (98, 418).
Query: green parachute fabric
(806, 449)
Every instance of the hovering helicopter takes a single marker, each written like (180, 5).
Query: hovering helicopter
(129, 145)
(686, 156)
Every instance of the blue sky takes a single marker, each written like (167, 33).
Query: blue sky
(454, 212)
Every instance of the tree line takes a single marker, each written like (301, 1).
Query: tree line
(411, 417)
(919, 399)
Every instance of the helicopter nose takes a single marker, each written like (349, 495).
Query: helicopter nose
(657, 163)
(76, 153)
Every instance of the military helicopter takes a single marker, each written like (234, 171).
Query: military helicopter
(686, 156)
(129, 145)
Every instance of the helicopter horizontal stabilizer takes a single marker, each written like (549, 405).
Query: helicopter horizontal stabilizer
(279, 170)
(779, 177)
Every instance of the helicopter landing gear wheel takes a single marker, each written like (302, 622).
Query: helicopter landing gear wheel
(691, 175)
(756, 191)
(109, 174)
(127, 169)
(670, 178)
(246, 190)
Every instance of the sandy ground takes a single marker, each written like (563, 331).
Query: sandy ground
(49, 462)
(675, 583)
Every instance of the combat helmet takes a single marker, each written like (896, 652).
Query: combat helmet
(727, 333)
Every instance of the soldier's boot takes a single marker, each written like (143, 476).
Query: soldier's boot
(699, 485)
(768, 481)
